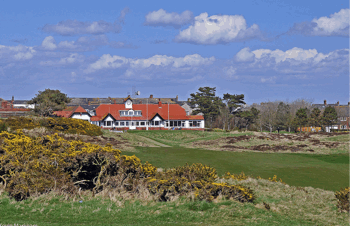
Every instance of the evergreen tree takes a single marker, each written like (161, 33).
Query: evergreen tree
(329, 116)
(315, 117)
(301, 117)
(206, 102)
(48, 101)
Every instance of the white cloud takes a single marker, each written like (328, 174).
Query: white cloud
(244, 55)
(107, 61)
(17, 53)
(71, 59)
(75, 27)
(218, 29)
(163, 18)
(111, 62)
(268, 79)
(49, 43)
(336, 24)
(296, 54)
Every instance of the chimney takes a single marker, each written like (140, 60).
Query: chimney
(13, 98)
(177, 98)
(325, 102)
(338, 103)
(349, 103)
(151, 96)
(160, 104)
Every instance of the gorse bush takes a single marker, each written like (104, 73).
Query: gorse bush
(343, 199)
(37, 165)
(33, 166)
(64, 125)
(197, 178)
(3, 126)
(238, 177)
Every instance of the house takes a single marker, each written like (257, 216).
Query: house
(342, 112)
(90, 104)
(140, 116)
(7, 109)
(76, 112)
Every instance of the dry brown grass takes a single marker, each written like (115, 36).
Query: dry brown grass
(286, 143)
(311, 204)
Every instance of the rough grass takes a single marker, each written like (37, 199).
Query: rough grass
(277, 204)
(340, 138)
(266, 142)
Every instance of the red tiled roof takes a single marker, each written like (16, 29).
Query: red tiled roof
(176, 112)
(69, 111)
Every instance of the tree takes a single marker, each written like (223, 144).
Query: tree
(48, 101)
(282, 115)
(315, 117)
(329, 116)
(301, 117)
(268, 115)
(233, 104)
(206, 102)
(249, 117)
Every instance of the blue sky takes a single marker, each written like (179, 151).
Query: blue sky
(267, 50)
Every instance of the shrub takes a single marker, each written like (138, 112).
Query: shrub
(38, 165)
(237, 192)
(238, 177)
(3, 126)
(196, 178)
(343, 199)
(275, 179)
(64, 125)
(33, 166)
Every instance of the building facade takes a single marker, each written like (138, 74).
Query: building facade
(145, 116)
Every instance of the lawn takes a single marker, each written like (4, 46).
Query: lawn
(180, 137)
(330, 172)
(286, 206)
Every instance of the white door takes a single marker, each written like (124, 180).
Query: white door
(132, 125)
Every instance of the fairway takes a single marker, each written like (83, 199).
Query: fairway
(329, 172)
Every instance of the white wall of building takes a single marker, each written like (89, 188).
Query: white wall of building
(82, 116)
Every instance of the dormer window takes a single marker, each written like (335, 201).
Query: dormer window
(130, 113)
(128, 103)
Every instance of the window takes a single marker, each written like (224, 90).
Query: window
(195, 123)
(122, 113)
(137, 123)
(152, 123)
(131, 113)
(157, 123)
(116, 123)
(108, 123)
(122, 123)
(182, 123)
(142, 123)
(127, 123)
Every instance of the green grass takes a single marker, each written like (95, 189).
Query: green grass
(339, 138)
(101, 211)
(180, 137)
(330, 172)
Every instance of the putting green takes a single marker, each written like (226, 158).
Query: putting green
(329, 172)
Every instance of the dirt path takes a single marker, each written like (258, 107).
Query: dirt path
(154, 142)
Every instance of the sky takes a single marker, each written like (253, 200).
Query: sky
(265, 49)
